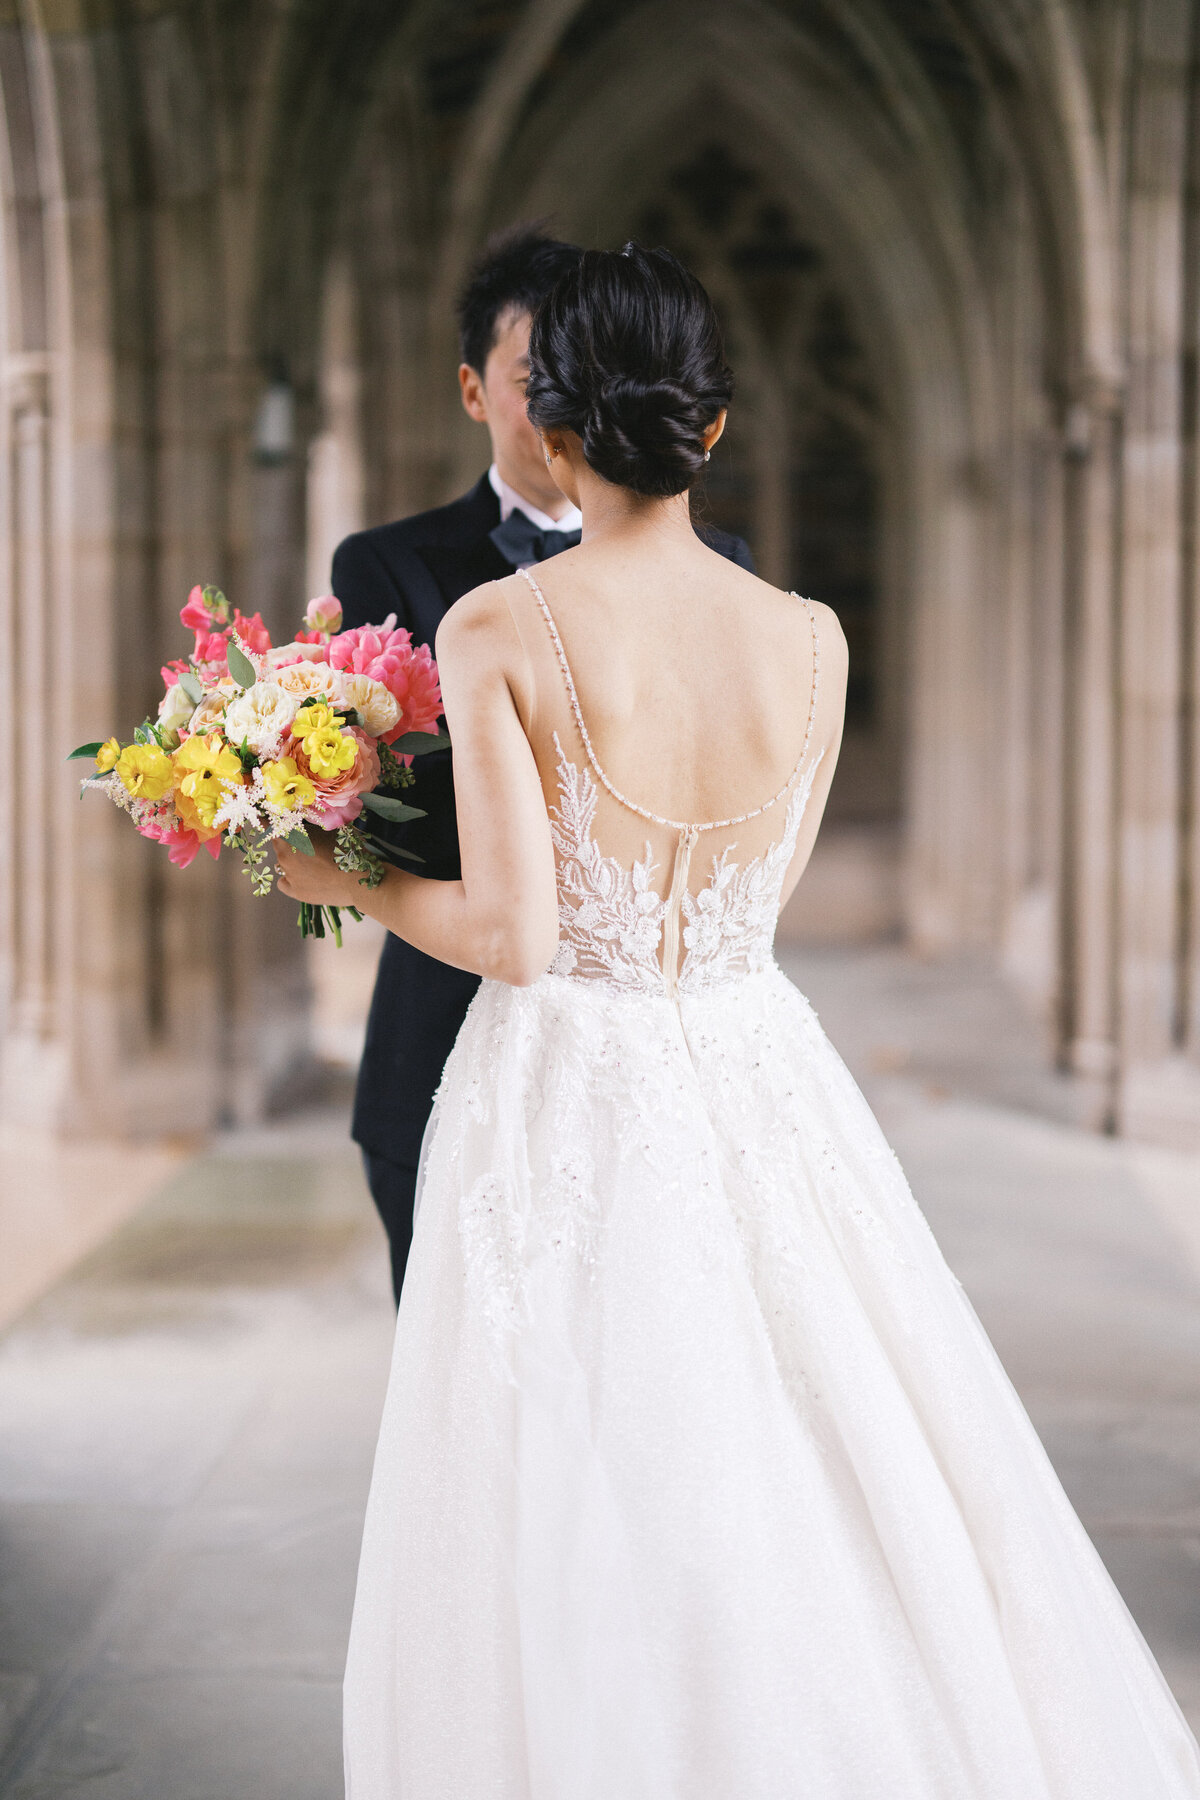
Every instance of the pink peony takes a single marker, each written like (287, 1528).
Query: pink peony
(386, 653)
(340, 799)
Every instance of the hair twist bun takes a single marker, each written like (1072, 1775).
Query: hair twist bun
(626, 352)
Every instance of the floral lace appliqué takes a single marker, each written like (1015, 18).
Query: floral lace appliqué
(612, 918)
(729, 926)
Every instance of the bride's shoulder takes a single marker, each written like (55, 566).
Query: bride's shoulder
(478, 647)
(830, 635)
(480, 624)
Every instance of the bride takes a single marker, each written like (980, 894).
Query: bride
(697, 1477)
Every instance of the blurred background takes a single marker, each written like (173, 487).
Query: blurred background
(956, 248)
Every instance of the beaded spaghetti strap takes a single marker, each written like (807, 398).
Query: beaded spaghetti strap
(643, 812)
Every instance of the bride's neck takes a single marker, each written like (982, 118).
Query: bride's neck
(616, 515)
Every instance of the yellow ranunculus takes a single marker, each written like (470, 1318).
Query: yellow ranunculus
(202, 766)
(318, 717)
(146, 771)
(287, 789)
(329, 754)
(107, 755)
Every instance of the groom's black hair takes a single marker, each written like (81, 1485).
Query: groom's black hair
(516, 271)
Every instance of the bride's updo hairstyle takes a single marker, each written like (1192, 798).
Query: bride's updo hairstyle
(627, 353)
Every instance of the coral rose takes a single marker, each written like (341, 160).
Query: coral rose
(339, 797)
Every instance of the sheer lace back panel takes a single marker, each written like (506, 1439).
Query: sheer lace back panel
(671, 919)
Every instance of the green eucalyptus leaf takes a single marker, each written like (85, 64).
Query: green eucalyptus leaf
(84, 750)
(300, 840)
(240, 666)
(191, 687)
(420, 743)
(389, 852)
(387, 808)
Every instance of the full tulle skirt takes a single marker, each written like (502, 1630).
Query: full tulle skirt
(698, 1478)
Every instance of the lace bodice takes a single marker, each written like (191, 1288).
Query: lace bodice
(613, 920)
(617, 926)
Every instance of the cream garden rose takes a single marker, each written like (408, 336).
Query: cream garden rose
(376, 705)
(211, 709)
(305, 680)
(259, 717)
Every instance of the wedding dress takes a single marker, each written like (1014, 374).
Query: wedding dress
(698, 1478)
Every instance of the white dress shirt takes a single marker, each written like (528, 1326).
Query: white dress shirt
(511, 501)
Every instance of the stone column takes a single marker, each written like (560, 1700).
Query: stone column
(1087, 887)
(34, 1066)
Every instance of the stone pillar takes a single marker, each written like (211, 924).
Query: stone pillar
(34, 1063)
(1087, 885)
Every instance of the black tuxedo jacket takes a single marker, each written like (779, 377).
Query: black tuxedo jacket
(417, 568)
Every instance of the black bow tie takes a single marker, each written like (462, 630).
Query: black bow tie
(520, 541)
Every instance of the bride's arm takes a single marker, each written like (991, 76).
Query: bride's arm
(501, 919)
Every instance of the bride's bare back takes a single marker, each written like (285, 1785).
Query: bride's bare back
(705, 695)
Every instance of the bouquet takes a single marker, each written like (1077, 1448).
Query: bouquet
(256, 741)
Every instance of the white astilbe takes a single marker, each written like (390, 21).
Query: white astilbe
(112, 785)
(238, 809)
(273, 820)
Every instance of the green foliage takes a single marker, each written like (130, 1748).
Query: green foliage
(240, 666)
(420, 743)
(395, 810)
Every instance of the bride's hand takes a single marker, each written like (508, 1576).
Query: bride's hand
(317, 878)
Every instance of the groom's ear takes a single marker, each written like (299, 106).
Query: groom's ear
(474, 396)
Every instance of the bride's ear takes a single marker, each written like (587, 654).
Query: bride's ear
(552, 446)
(714, 431)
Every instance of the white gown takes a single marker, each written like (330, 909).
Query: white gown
(698, 1478)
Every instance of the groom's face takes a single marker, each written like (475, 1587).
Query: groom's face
(496, 398)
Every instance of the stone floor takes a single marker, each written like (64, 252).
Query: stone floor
(186, 1419)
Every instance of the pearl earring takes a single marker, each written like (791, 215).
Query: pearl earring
(707, 454)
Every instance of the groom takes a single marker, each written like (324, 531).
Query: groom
(417, 568)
